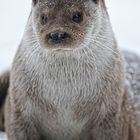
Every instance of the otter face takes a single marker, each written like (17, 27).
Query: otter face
(65, 23)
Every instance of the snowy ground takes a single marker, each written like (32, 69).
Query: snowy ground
(3, 136)
(125, 18)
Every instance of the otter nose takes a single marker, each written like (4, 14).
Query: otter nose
(58, 36)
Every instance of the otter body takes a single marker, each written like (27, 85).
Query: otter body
(4, 85)
(68, 79)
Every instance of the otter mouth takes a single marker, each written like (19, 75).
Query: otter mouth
(57, 42)
(63, 45)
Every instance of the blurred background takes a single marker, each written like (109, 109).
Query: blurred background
(124, 14)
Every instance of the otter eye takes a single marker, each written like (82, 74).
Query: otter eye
(77, 17)
(44, 19)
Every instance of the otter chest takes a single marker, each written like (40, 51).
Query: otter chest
(69, 97)
(69, 90)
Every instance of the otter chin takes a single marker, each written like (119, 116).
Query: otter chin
(78, 94)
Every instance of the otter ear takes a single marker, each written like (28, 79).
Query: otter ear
(35, 2)
(100, 1)
(95, 1)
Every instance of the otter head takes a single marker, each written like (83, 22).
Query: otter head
(66, 23)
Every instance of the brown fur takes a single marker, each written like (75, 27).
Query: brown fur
(4, 85)
(73, 90)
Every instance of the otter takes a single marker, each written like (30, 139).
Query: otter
(68, 77)
(4, 85)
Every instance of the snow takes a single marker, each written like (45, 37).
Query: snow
(3, 136)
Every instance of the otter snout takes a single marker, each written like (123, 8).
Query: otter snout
(58, 37)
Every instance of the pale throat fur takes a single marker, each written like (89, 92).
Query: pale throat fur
(75, 82)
